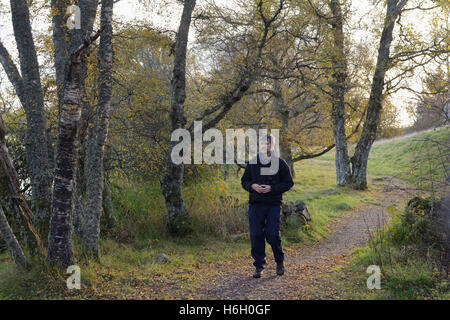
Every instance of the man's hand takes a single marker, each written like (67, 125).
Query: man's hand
(265, 188)
(257, 188)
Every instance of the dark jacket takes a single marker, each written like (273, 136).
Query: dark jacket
(279, 182)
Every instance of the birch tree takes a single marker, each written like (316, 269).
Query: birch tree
(338, 85)
(171, 182)
(62, 47)
(12, 200)
(94, 165)
(359, 159)
(11, 242)
(379, 87)
(72, 69)
(60, 250)
(27, 85)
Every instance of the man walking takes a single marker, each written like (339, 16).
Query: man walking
(265, 196)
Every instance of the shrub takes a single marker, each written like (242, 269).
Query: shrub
(211, 209)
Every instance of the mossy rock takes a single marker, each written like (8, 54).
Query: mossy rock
(161, 258)
(419, 206)
(295, 214)
(418, 221)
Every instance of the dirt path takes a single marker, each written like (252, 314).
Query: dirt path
(306, 265)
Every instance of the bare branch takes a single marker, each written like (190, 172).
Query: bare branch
(11, 71)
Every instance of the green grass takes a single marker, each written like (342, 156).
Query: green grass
(417, 159)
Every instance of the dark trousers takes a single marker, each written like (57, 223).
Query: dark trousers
(264, 222)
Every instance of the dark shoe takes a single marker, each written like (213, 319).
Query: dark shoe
(257, 273)
(280, 269)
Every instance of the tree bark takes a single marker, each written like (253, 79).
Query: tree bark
(89, 9)
(60, 250)
(338, 59)
(11, 242)
(79, 189)
(369, 131)
(285, 148)
(11, 197)
(60, 238)
(94, 165)
(61, 49)
(172, 180)
(33, 103)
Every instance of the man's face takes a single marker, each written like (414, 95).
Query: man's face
(265, 146)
